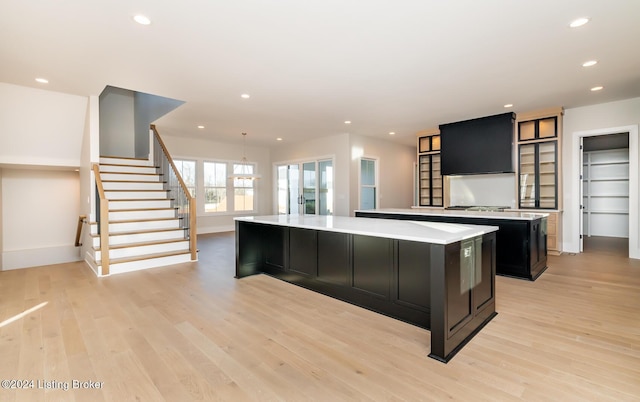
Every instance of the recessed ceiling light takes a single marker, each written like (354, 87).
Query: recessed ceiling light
(589, 63)
(245, 96)
(579, 22)
(42, 80)
(347, 122)
(392, 133)
(279, 139)
(200, 126)
(508, 105)
(142, 20)
(598, 88)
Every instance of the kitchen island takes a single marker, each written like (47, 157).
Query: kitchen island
(521, 238)
(437, 276)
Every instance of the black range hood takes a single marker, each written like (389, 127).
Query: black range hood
(478, 146)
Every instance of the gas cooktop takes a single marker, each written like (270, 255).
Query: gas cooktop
(477, 208)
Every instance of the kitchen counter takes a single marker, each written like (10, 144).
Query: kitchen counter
(426, 232)
(521, 238)
(439, 276)
(510, 214)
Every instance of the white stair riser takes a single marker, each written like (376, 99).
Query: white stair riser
(149, 263)
(138, 251)
(138, 195)
(139, 204)
(117, 239)
(134, 226)
(123, 185)
(127, 169)
(125, 161)
(130, 177)
(141, 214)
(145, 225)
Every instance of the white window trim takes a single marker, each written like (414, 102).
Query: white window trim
(200, 186)
(376, 181)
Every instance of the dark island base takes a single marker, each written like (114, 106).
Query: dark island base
(427, 285)
(521, 244)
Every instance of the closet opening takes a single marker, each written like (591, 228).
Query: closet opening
(605, 194)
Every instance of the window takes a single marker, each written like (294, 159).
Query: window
(215, 187)
(243, 188)
(367, 183)
(216, 191)
(187, 169)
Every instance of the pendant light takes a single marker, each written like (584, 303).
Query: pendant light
(245, 170)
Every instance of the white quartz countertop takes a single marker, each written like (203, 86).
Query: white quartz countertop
(510, 215)
(427, 232)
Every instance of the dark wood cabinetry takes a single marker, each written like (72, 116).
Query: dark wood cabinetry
(446, 288)
(521, 244)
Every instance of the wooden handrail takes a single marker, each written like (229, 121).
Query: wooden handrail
(185, 189)
(81, 219)
(170, 159)
(104, 221)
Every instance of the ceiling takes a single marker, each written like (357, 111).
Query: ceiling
(309, 66)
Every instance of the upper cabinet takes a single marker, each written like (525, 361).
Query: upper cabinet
(538, 136)
(538, 129)
(430, 183)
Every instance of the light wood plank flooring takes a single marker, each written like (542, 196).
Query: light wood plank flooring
(193, 332)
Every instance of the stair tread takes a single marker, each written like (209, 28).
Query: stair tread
(142, 199)
(134, 173)
(134, 190)
(127, 165)
(113, 261)
(143, 243)
(133, 181)
(143, 209)
(133, 158)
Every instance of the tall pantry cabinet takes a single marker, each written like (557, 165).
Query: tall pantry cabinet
(539, 172)
(430, 181)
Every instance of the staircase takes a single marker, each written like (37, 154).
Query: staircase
(144, 230)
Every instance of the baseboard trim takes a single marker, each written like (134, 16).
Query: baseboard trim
(216, 229)
(36, 257)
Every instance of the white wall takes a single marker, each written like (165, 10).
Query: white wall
(39, 127)
(336, 147)
(196, 149)
(117, 123)
(592, 120)
(40, 214)
(1, 222)
(90, 154)
(41, 135)
(395, 169)
(485, 189)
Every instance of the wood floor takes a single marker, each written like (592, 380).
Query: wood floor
(193, 332)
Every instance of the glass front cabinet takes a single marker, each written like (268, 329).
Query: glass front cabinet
(430, 193)
(538, 163)
(538, 186)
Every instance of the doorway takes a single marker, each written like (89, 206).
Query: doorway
(605, 193)
(575, 211)
(305, 188)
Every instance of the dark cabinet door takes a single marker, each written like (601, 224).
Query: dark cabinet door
(372, 264)
(274, 237)
(333, 258)
(303, 251)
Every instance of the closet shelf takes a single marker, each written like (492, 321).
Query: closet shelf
(607, 179)
(604, 211)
